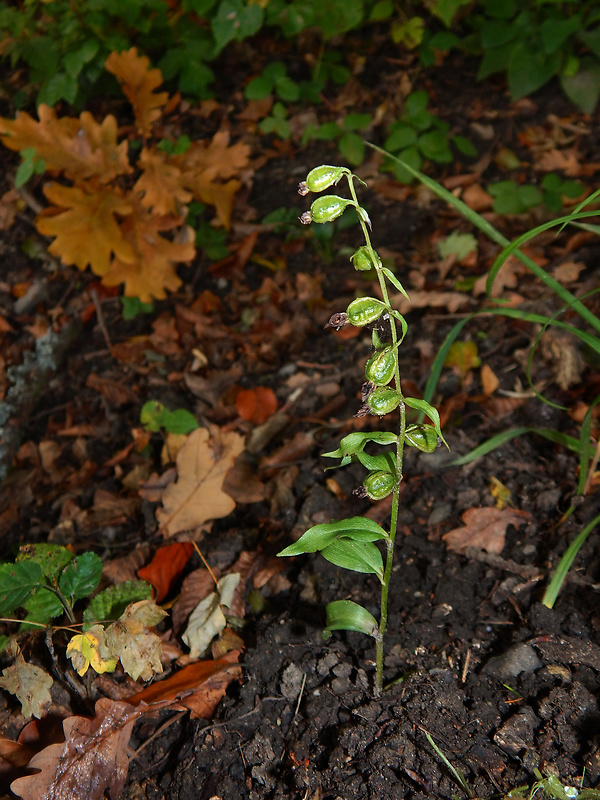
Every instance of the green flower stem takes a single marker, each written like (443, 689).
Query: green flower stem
(390, 542)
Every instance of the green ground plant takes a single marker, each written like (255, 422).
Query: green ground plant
(350, 543)
(586, 331)
(420, 136)
(513, 198)
(46, 582)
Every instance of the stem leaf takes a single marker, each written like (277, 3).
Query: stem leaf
(360, 529)
(357, 556)
(17, 582)
(346, 615)
(430, 411)
(355, 442)
(395, 282)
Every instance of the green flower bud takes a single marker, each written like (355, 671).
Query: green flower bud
(328, 208)
(364, 310)
(376, 340)
(362, 260)
(423, 437)
(321, 178)
(382, 401)
(380, 368)
(379, 484)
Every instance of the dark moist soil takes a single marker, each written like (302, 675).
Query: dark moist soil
(501, 683)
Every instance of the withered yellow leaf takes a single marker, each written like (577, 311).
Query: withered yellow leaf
(80, 148)
(138, 83)
(85, 226)
(160, 184)
(197, 494)
(151, 270)
(89, 649)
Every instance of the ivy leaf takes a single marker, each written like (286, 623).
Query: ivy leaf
(349, 616)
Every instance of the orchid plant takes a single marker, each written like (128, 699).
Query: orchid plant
(351, 543)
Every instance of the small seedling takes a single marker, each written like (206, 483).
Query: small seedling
(155, 417)
(350, 543)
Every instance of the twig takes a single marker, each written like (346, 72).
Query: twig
(100, 318)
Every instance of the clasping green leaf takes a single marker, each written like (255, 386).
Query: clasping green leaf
(345, 615)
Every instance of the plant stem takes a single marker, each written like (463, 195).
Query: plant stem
(389, 559)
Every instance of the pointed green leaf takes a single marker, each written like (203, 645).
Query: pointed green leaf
(395, 282)
(321, 536)
(17, 581)
(346, 615)
(81, 576)
(357, 556)
(432, 413)
(355, 442)
(383, 461)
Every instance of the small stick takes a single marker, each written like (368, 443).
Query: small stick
(100, 318)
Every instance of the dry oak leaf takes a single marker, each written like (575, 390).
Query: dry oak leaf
(152, 270)
(85, 226)
(197, 495)
(160, 184)
(80, 148)
(138, 84)
(30, 684)
(205, 164)
(485, 529)
(92, 758)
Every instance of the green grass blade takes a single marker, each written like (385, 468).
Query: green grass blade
(485, 227)
(502, 438)
(565, 563)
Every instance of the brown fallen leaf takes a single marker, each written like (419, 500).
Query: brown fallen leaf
(485, 529)
(92, 758)
(198, 686)
(197, 495)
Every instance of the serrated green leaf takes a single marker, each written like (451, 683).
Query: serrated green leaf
(346, 615)
(42, 605)
(112, 602)
(356, 556)
(52, 558)
(81, 577)
(320, 536)
(17, 581)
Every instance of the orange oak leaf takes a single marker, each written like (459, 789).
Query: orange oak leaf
(206, 165)
(80, 148)
(138, 83)
(160, 184)
(151, 270)
(484, 529)
(92, 758)
(197, 494)
(85, 226)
